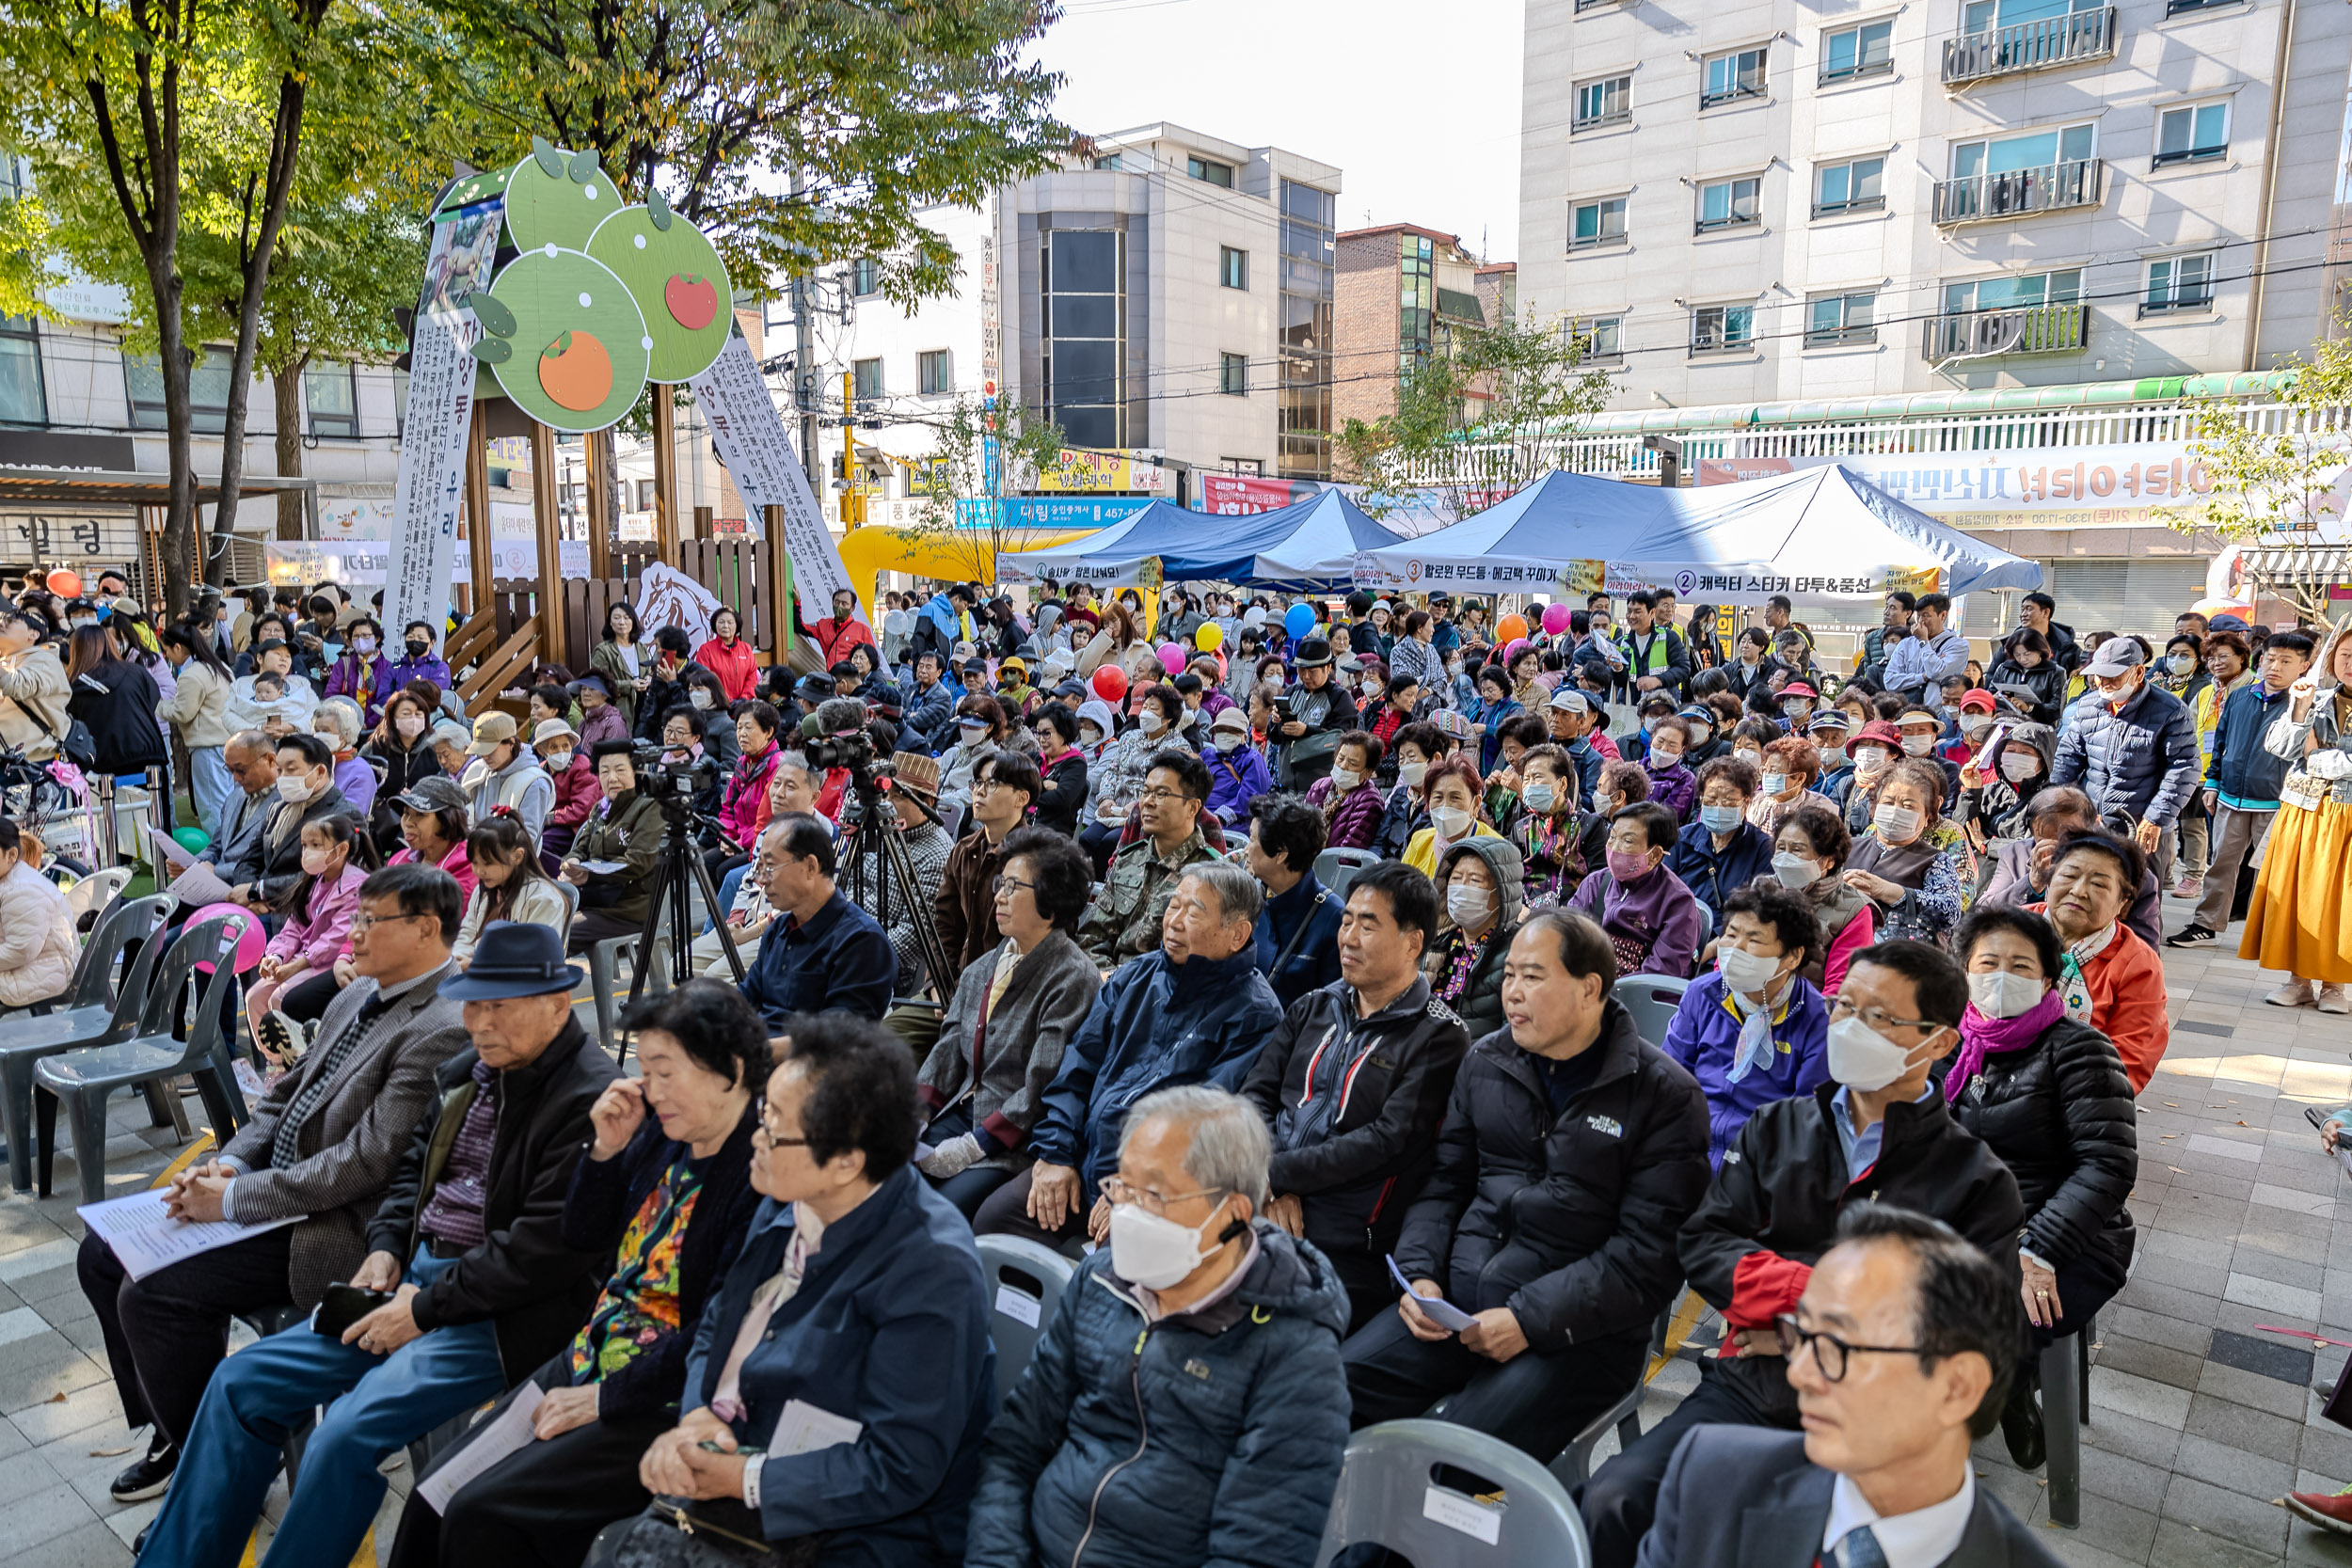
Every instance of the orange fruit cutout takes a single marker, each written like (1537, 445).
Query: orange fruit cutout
(576, 372)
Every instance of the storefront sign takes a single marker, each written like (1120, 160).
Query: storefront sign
(1244, 495)
(72, 540)
(1095, 473)
(296, 564)
(2122, 485)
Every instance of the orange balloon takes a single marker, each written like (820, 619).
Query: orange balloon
(65, 585)
(1510, 628)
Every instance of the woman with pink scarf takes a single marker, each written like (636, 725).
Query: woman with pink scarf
(2048, 1094)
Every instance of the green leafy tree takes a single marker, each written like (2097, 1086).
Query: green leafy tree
(966, 488)
(2277, 487)
(1484, 417)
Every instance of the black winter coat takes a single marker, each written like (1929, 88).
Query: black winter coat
(117, 700)
(1356, 1104)
(1784, 1183)
(2059, 1114)
(2046, 680)
(1065, 795)
(527, 1278)
(1568, 1220)
(1480, 1005)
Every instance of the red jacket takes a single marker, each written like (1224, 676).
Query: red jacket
(744, 807)
(2127, 1001)
(737, 667)
(577, 793)
(835, 637)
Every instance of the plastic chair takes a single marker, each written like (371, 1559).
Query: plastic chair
(1652, 1000)
(1574, 1466)
(571, 905)
(96, 890)
(603, 978)
(82, 1079)
(1025, 1280)
(1336, 868)
(1390, 1494)
(2065, 1406)
(92, 1013)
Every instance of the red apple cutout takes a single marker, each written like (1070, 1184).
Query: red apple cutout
(691, 301)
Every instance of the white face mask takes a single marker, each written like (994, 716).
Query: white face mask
(1869, 760)
(699, 697)
(1087, 735)
(1344, 779)
(1540, 796)
(1974, 729)
(2181, 663)
(293, 791)
(1411, 773)
(1798, 872)
(1451, 822)
(971, 728)
(1918, 745)
(1662, 758)
(1468, 907)
(1151, 721)
(2017, 767)
(410, 725)
(1861, 1058)
(1226, 740)
(1753, 758)
(1775, 782)
(1895, 824)
(559, 761)
(2002, 994)
(1744, 972)
(1153, 1250)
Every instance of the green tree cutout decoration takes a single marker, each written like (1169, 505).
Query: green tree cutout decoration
(601, 299)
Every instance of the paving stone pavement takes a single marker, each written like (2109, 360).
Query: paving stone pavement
(2200, 1419)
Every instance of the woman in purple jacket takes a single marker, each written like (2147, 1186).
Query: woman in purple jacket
(1752, 1029)
(363, 673)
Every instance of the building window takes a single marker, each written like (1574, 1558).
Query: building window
(1715, 328)
(1232, 267)
(2179, 284)
(2018, 292)
(2038, 313)
(1593, 223)
(1110, 162)
(2192, 134)
(1977, 17)
(21, 398)
(1302, 415)
(2035, 151)
(399, 403)
(1212, 171)
(1853, 187)
(1598, 337)
(933, 376)
(1841, 319)
(333, 404)
(865, 276)
(1607, 101)
(1085, 322)
(1728, 204)
(1417, 298)
(208, 392)
(1865, 50)
(866, 377)
(1233, 375)
(1733, 76)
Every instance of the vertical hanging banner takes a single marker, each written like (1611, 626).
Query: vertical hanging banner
(432, 475)
(757, 452)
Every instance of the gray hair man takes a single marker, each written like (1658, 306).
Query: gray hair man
(1196, 1009)
(1229, 1303)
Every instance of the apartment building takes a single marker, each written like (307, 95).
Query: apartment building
(1758, 200)
(1165, 293)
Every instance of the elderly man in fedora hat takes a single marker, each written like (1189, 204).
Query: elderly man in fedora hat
(467, 1274)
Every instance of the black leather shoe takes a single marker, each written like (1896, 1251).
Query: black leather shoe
(2021, 1426)
(148, 1478)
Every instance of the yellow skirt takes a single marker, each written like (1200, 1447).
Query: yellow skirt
(2297, 921)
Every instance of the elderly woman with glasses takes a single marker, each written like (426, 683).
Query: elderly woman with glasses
(1014, 1012)
(839, 1383)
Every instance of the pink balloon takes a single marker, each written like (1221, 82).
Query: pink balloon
(250, 941)
(1555, 619)
(1172, 658)
(1512, 650)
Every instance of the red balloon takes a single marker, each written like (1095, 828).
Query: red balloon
(1110, 683)
(65, 585)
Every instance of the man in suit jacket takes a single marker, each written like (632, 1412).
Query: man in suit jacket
(320, 1150)
(1900, 1351)
(252, 762)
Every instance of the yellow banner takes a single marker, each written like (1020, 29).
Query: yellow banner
(1098, 473)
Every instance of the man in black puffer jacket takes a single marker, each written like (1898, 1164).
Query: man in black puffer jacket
(2132, 747)
(1355, 1084)
(1572, 1151)
(1881, 1134)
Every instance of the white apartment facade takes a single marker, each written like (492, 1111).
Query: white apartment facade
(1758, 200)
(1167, 293)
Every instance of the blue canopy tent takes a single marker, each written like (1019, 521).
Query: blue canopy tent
(1309, 547)
(1822, 534)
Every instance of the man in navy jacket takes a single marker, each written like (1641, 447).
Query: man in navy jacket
(825, 955)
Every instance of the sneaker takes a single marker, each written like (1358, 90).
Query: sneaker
(2294, 994)
(150, 1476)
(2335, 999)
(2327, 1509)
(2191, 887)
(282, 1036)
(2193, 936)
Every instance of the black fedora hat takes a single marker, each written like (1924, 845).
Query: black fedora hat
(514, 957)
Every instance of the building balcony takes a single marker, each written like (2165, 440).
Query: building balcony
(2019, 193)
(2030, 46)
(1982, 334)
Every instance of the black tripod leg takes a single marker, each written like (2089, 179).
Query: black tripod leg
(681, 967)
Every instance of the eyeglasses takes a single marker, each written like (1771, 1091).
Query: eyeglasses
(1119, 1190)
(368, 922)
(1008, 886)
(1162, 797)
(1878, 1019)
(764, 1138)
(1829, 1351)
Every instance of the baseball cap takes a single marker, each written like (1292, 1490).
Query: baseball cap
(1799, 688)
(439, 792)
(1976, 699)
(1569, 699)
(2116, 655)
(491, 731)
(1829, 719)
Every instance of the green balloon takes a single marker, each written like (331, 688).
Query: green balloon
(194, 840)
(679, 284)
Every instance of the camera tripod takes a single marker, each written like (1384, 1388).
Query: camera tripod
(677, 873)
(876, 810)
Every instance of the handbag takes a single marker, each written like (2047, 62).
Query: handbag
(77, 744)
(674, 1533)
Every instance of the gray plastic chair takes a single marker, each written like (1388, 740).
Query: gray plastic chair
(82, 1080)
(1652, 1000)
(1336, 868)
(1024, 1283)
(92, 1013)
(603, 978)
(1389, 1490)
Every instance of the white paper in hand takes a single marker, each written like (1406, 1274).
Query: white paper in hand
(505, 1434)
(1436, 1309)
(803, 1429)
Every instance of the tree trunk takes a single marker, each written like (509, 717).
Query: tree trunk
(286, 384)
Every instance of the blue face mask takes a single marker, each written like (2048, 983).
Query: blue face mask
(1719, 819)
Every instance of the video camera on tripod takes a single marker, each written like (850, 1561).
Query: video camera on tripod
(670, 781)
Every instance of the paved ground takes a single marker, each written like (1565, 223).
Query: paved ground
(2200, 1420)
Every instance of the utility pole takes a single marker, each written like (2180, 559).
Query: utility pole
(805, 355)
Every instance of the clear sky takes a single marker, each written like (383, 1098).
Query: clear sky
(1417, 104)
